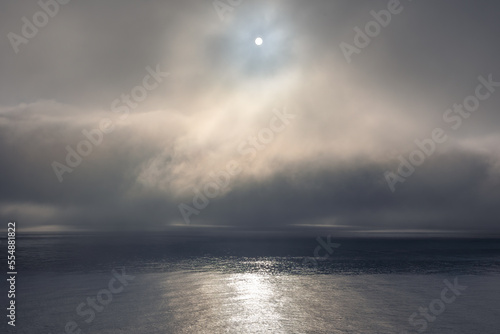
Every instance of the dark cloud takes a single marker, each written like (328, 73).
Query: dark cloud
(351, 121)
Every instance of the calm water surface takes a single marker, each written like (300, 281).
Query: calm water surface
(256, 285)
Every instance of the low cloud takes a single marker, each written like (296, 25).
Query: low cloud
(351, 121)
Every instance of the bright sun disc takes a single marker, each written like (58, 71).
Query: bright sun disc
(258, 41)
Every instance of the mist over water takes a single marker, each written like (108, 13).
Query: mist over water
(241, 284)
(243, 133)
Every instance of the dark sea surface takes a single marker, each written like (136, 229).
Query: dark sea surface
(249, 284)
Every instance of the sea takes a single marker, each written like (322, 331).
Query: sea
(140, 283)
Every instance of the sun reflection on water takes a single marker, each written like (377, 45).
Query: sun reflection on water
(256, 303)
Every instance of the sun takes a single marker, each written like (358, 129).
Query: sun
(259, 41)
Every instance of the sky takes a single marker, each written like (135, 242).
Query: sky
(352, 116)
